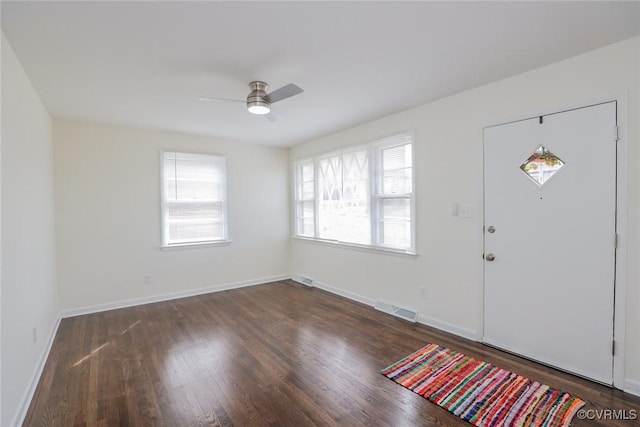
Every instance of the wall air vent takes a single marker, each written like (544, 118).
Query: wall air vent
(303, 280)
(403, 313)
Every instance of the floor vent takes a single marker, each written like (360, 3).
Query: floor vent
(400, 312)
(303, 280)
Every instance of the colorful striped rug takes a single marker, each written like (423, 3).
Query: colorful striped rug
(481, 393)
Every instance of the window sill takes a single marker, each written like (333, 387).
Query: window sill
(195, 245)
(354, 246)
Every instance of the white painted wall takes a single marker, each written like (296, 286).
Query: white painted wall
(29, 297)
(107, 219)
(449, 169)
(107, 182)
(1, 109)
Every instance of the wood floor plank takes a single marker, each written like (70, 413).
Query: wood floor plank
(279, 354)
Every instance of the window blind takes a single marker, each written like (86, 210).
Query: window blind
(305, 198)
(395, 194)
(194, 202)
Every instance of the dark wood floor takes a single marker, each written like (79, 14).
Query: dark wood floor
(279, 354)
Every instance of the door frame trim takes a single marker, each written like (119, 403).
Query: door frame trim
(621, 215)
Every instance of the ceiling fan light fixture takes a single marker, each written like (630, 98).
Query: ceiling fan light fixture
(257, 102)
(258, 107)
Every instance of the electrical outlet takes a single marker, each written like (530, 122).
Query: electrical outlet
(423, 293)
(34, 334)
(146, 279)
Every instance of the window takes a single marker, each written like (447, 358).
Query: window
(541, 165)
(344, 202)
(394, 195)
(194, 199)
(305, 212)
(361, 195)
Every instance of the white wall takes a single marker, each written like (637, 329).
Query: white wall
(107, 182)
(107, 221)
(1, 109)
(449, 169)
(28, 258)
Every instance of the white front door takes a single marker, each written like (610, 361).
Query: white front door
(549, 242)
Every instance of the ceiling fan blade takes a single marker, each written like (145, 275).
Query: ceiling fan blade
(273, 116)
(213, 99)
(283, 93)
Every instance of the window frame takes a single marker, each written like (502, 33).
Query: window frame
(374, 149)
(377, 148)
(298, 200)
(225, 240)
(342, 153)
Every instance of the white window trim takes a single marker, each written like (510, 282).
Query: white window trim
(163, 199)
(180, 246)
(357, 246)
(372, 148)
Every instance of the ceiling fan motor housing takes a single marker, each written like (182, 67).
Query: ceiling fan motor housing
(257, 101)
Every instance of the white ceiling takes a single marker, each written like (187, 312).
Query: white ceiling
(144, 64)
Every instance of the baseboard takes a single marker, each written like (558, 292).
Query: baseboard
(350, 295)
(632, 387)
(303, 280)
(425, 320)
(448, 327)
(170, 296)
(35, 378)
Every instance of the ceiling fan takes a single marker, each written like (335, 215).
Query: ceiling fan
(259, 101)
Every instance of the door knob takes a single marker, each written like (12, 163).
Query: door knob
(490, 257)
(491, 229)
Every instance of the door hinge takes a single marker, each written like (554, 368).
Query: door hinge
(615, 241)
(615, 133)
(613, 347)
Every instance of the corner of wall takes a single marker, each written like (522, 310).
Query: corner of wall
(29, 301)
